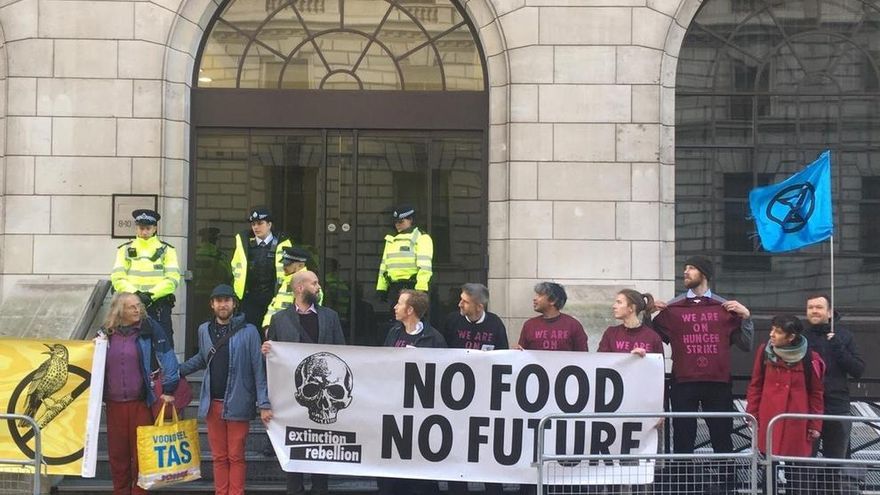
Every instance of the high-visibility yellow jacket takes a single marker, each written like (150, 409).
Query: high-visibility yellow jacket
(240, 262)
(146, 265)
(407, 254)
(284, 298)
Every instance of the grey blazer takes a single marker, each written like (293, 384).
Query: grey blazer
(285, 326)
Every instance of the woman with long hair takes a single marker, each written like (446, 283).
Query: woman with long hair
(631, 307)
(134, 341)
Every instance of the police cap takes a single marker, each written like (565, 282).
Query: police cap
(145, 217)
(403, 211)
(260, 213)
(294, 254)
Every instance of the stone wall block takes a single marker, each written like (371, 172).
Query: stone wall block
(504, 6)
(668, 70)
(86, 19)
(147, 98)
(583, 142)
(24, 100)
(638, 142)
(646, 181)
(146, 177)
(668, 7)
(19, 20)
(531, 64)
(140, 59)
(523, 180)
(497, 67)
(84, 97)
(176, 140)
(638, 65)
(586, 3)
(686, 12)
(179, 67)
(174, 215)
(86, 58)
(498, 220)
(584, 64)
(176, 178)
(83, 136)
(152, 22)
(19, 174)
(198, 12)
(646, 103)
(583, 103)
(28, 135)
(523, 258)
(667, 222)
(67, 175)
(29, 58)
(531, 142)
(498, 105)
(667, 183)
(586, 26)
(139, 137)
(81, 215)
(523, 103)
(652, 28)
(667, 106)
(498, 253)
(667, 144)
(520, 27)
(498, 174)
(82, 248)
(498, 151)
(490, 38)
(186, 36)
(479, 12)
(520, 292)
(587, 220)
(18, 253)
(637, 221)
(583, 259)
(584, 181)
(27, 214)
(531, 219)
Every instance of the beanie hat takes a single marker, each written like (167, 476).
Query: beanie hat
(703, 264)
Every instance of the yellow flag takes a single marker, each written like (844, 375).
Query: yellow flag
(53, 382)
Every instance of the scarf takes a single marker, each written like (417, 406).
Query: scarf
(790, 354)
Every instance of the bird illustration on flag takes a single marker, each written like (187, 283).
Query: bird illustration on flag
(49, 378)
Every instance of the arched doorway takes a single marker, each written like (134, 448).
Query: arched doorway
(761, 89)
(330, 113)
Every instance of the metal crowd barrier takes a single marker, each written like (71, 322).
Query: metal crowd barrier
(821, 475)
(19, 480)
(704, 473)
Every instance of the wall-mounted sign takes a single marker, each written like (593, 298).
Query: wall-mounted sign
(123, 205)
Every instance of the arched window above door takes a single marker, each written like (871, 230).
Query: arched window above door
(341, 45)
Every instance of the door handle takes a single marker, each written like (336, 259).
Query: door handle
(331, 227)
(346, 227)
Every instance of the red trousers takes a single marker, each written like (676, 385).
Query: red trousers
(227, 439)
(123, 418)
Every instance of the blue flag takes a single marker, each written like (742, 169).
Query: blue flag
(797, 211)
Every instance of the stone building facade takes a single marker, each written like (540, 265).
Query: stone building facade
(97, 97)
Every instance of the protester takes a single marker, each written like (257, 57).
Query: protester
(842, 361)
(553, 330)
(411, 331)
(233, 387)
(631, 335)
(135, 342)
(786, 378)
(309, 322)
(473, 327)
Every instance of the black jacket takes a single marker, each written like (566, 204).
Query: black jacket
(842, 361)
(429, 337)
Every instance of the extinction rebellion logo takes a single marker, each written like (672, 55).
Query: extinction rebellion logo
(792, 207)
(324, 385)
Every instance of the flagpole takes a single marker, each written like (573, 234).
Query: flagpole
(832, 284)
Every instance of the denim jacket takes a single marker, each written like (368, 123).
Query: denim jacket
(246, 385)
(155, 351)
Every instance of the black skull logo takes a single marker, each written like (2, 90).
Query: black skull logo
(323, 386)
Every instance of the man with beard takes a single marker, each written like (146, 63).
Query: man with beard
(700, 326)
(842, 360)
(308, 322)
(553, 330)
(229, 348)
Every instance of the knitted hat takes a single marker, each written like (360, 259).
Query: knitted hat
(703, 264)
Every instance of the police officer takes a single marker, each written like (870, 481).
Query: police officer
(256, 265)
(294, 260)
(147, 267)
(407, 258)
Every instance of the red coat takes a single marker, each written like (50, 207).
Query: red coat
(776, 389)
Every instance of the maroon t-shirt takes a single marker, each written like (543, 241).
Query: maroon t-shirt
(562, 333)
(699, 331)
(622, 339)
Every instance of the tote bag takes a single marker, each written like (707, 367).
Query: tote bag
(168, 453)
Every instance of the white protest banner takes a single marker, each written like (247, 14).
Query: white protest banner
(454, 414)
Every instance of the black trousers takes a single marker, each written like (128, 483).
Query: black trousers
(295, 484)
(399, 486)
(835, 438)
(713, 397)
(160, 311)
(254, 305)
(461, 488)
